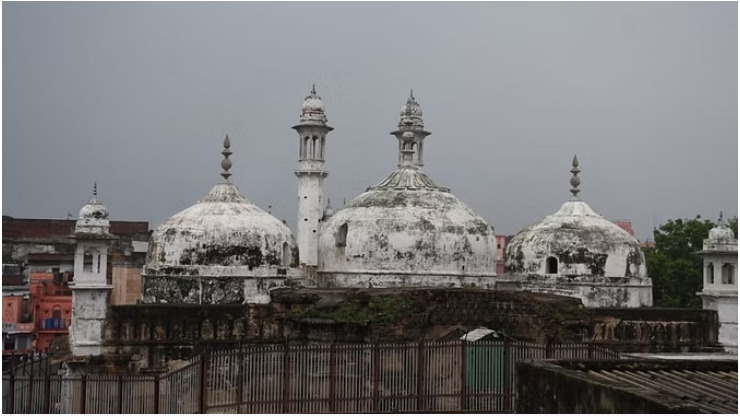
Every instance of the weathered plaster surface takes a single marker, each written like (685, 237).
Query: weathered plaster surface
(597, 261)
(220, 250)
(719, 291)
(406, 226)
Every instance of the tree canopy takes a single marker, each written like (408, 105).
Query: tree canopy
(673, 264)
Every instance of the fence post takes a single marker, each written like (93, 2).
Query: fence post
(12, 389)
(420, 373)
(376, 377)
(332, 377)
(548, 350)
(156, 393)
(47, 392)
(120, 394)
(240, 379)
(286, 378)
(83, 394)
(507, 375)
(30, 391)
(203, 380)
(463, 363)
(590, 351)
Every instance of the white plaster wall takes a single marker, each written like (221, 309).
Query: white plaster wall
(310, 203)
(389, 280)
(89, 307)
(596, 292)
(728, 337)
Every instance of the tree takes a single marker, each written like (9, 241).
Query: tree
(673, 263)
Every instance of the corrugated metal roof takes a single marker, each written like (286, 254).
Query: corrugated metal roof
(710, 391)
(477, 334)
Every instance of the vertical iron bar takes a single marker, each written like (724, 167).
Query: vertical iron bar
(463, 388)
(332, 376)
(47, 392)
(507, 375)
(12, 389)
(420, 376)
(240, 379)
(83, 394)
(156, 393)
(30, 391)
(120, 394)
(203, 379)
(286, 377)
(591, 351)
(376, 377)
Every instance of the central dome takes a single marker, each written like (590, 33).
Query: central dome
(407, 231)
(408, 225)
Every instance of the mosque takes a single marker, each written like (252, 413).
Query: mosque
(405, 231)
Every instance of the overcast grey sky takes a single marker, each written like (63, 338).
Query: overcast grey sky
(139, 98)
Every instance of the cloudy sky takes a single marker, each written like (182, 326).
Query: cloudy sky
(138, 97)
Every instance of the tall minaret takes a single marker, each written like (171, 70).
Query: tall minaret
(90, 287)
(411, 134)
(312, 130)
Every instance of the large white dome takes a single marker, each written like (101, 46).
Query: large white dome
(578, 242)
(406, 231)
(224, 249)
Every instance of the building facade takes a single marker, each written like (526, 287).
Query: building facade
(719, 291)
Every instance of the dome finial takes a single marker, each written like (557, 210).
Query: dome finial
(411, 95)
(95, 191)
(226, 163)
(575, 180)
(313, 88)
(721, 221)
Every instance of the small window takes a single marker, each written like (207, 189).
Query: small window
(709, 273)
(552, 265)
(342, 236)
(728, 274)
(87, 262)
(56, 312)
(286, 254)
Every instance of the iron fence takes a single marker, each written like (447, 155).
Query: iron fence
(456, 376)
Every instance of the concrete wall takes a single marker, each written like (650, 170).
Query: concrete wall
(126, 285)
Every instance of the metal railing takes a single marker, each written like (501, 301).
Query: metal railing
(456, 376)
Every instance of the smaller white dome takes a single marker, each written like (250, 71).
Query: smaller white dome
(721, 233)
(312, 104)
(94, 211)
(93, 217)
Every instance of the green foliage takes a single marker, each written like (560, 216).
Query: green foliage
(378, 310)
(673, 263)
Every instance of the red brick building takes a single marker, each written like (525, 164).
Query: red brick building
(38, 262)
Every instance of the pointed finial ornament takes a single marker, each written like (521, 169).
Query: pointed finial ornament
(575, 180)
(226, 163)
(313, 88)
(721, 221)
(411, 95)
(95, 190)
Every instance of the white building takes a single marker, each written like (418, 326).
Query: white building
(576, 252)
(90, 287)
(720, 281)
